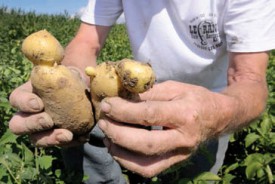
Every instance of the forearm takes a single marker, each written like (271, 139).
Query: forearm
(83, 50)
(248, 102)
(80, 54)
(244, 99)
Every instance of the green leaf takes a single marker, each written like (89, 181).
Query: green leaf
(269, 174)
(28, 154)
(250, 139)
(28, 173)
(57, 173)
(3, 172)
(252, 158)
(13, 158)
(232, 167)
(227, 178)
(252, 169)
(45, 162)
(185, 181)
(8, 137)
(269, 158)
(207, 176)
(266, 125)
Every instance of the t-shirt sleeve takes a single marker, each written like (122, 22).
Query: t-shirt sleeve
(102, 12)
(250, 25)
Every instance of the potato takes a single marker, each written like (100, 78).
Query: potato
(125, 78)
(136, 77)
(62, 91)
(104, 83)
(42, 48)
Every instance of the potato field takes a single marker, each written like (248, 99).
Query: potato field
(249, 159)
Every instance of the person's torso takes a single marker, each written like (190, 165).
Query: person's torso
(182, 40)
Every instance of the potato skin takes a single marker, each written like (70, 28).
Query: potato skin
(126, 79)
(105, 83)
(64, 96)
(42, 48)
(135, 76)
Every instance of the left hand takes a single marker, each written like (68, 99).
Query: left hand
(188, 114)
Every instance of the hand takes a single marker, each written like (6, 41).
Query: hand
(32, 120)
(189, 115)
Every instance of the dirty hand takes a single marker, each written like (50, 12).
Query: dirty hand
(32, 120)
(188, 114)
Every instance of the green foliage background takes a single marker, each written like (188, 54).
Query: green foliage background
(250, 157)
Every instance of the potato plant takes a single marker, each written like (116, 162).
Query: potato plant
(250, 157)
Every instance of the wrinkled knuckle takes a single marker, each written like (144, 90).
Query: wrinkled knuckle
(150, 116)
(192, 116)
(44, 121)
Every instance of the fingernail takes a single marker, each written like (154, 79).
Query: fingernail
(34, 104)
(105, 107)
(64, 137)
(102, 124)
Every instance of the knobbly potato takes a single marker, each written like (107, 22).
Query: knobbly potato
(125, 78)
(62, 91)
(104, 83)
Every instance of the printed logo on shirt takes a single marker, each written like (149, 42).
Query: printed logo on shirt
(204, 31)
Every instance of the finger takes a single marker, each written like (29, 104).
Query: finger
(23, 99)
(144, 141)
(147, 166)
(23, 123)
(54, 137)
(148, 113)
(159, 92)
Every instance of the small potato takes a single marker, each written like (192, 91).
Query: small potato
(104, 83)
(136, 77)
(104, 80)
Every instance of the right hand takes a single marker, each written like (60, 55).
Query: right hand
(32, 120)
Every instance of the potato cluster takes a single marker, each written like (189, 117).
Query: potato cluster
(64, 93)
(125, 78)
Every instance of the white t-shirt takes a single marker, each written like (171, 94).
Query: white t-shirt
(188, 40)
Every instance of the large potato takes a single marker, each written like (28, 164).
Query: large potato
(61, 90)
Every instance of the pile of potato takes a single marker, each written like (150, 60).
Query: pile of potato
(64, 93)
